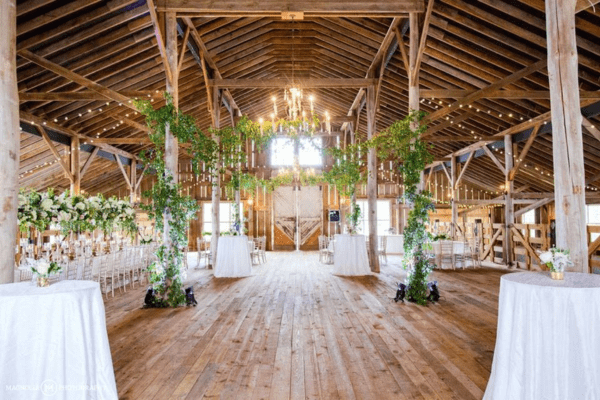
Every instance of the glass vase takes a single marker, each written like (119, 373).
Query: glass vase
(42, 281)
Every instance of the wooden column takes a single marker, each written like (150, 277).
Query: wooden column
(509, 208)
(372, 182)
(454, 196)
(74, 165)
(171, 145)
(133, 181)
(9, 137)
(216, 183)
(413, 76)
(567, 142)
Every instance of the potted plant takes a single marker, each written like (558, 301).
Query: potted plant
(556, 260)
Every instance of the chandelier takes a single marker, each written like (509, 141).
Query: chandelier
(295, 107)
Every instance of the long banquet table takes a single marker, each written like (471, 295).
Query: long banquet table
(395, 244)
(233, 257)
(547, 343)
(350, 255)
(54, 342)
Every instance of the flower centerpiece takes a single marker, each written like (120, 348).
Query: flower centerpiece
(42, 271)
(556, 260)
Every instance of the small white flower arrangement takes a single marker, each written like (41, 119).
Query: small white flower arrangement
(556, 259)
(42, 271)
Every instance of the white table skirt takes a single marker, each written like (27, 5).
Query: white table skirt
(547, 344)
(350, 255)
(233, 257)
(395, 244)
(54, 342)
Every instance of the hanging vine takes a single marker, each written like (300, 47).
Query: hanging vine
(401, 143)
(166, 274)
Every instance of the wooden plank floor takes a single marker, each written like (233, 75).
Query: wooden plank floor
(295, 330)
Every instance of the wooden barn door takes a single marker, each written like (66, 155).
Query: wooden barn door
(297, 209)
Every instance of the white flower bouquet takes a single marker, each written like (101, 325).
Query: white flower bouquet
(556, 259)
(42, 271)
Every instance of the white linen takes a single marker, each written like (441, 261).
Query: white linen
(395, 244)
(54, 342)
(350, 255)
(547, 343)
(233, 257)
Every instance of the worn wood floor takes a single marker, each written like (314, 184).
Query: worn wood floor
(294, 330)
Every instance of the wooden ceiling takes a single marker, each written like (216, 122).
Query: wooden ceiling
(471, 45)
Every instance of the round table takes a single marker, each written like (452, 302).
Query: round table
(350, 255)
(54, 342)
(233, 257)
(547, 344)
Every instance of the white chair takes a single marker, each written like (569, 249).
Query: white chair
(446, 253)
(382, 249)
(323, 254)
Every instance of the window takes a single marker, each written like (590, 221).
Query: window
(529, 218)
(225, 216)
(282, 152)
(593, 218)
(383, 217)
(309, 152)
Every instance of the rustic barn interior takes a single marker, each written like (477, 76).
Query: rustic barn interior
(511, 92)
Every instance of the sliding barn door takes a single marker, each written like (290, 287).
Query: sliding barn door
(297, 211)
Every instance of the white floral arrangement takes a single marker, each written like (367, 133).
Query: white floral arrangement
(44, 268)
(74, 213)
(557, 260)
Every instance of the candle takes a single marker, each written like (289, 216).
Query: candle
(274, 105)
(311, 98)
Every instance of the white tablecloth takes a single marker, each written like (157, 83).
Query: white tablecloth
(54, 342)
(395, 244)
(233, 257)
(547, 344)
(350, 255)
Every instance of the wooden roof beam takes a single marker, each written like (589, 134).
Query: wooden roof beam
(360, 99)
(585, 4)
(481, 93)
(83, 81)
(279, 83)
(60, 160)
(205, 55)
(501, 94)
(160, 40)
(35, 120)
(85, 95)
(264, 8)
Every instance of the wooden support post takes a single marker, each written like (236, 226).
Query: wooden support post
(372, 182)
(567, 141)
(171, 145)
(454, 194)
(216, 179)
(9, 137)
(509, 208)
(132, 182)
(75, 169)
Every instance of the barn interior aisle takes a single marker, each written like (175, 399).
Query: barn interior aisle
(295, 330)
(361, 199)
